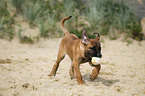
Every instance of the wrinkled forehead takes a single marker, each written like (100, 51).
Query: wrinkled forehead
(94, 42)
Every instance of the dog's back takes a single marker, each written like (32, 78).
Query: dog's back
(67, 43)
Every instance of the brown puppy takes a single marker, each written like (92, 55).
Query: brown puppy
(79, 51)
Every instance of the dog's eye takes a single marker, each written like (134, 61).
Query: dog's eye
(92, 48)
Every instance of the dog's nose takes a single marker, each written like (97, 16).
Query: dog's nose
(99, 55)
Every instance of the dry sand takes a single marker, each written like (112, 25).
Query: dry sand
(24, 69)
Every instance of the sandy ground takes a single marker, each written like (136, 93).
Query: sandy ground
(24, 69)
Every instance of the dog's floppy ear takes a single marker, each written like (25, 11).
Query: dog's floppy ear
(85, 39)
(97, 36)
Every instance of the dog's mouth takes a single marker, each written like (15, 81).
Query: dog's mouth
(91, 64)
(90, 56)
(87, 59)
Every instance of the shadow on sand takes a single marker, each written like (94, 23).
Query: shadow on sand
(105, 82)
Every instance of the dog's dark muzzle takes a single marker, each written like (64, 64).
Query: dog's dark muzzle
(99, 55)
(94, 54)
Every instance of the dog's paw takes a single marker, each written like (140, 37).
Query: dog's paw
(80, 83)
(50, 74)
(92, 77)
(73, 77)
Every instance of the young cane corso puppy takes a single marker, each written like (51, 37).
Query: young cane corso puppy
(79, 51)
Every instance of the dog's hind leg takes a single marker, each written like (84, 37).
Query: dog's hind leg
(71, 72)
(60, 57)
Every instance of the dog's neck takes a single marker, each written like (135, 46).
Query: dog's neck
(83, 56)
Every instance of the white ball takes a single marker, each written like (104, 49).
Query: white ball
(96, 60)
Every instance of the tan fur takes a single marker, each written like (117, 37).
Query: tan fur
(62, 25)
(75, 49)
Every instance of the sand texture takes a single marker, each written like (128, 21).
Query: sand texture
(24, 70)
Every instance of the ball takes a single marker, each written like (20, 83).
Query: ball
(96, 60)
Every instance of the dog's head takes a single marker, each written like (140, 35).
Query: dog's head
(92, 46)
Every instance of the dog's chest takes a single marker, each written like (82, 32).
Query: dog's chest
(83, 59)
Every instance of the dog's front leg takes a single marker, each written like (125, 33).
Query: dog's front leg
(78, 73)
(95, 72)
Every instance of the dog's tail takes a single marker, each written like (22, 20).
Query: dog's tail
(62, 25)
